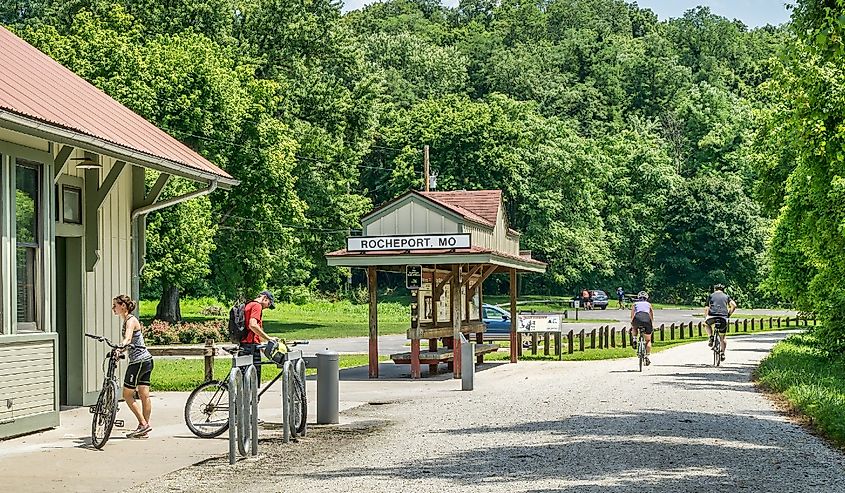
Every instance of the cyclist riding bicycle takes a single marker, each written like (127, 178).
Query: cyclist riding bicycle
(719, 308)
(642, 318)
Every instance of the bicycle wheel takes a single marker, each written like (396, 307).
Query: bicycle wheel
(717, 350)
(299, 406)
(104, 413)
(207, 409)
(641, 352)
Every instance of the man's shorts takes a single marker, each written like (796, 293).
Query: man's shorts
(642, 321)
(138, 373)
(719, 323)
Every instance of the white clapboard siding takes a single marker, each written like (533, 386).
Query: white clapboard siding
(27, 378)
(111, 275)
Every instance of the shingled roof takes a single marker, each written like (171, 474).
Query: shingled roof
(41, 97)
(476, 205)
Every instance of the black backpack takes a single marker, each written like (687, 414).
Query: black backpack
(237, 324)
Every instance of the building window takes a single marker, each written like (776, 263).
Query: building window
(28, 239)
(71, 204)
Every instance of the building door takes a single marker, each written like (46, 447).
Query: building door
(69, 274)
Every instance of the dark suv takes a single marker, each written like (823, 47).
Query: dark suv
(599, 298)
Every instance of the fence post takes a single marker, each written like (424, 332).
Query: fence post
(209, 359)
(752, 325)
(570, 339)
(662, 333)
(534, 343)
(814, 319)
(624, 334)
(745, 325)
(593, 339)
(805, 321)
(519, 344)
(613, 337)
(699, 329)
(778, 322)
(546, 340)
(601, 337)
(691, 335)
(672, 332)
(787, 322)
(581, 342)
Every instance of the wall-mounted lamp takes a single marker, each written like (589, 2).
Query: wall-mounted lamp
(89, 161)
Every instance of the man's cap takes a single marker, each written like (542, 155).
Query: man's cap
(270, 297)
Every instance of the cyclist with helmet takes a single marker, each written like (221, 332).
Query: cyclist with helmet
(719, 308)
(642, 318)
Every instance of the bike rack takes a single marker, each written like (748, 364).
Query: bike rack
(243, 409)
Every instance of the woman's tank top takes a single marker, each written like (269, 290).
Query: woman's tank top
(641, 306)
(139, 352)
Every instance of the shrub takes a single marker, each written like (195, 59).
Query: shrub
(298, 295)
(213, 310)
(158, 332)
(359, 295)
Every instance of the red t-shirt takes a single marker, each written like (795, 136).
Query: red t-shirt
(252, 310)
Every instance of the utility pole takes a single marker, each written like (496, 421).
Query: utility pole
(425, 166)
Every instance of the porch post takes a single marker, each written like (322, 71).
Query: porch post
(513, 315)
(372, 285)
(455, 305)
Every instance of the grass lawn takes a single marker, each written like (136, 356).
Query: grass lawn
(186, 374)
(314, 320)
(811, 383)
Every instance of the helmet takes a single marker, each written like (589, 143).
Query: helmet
(719, 286)
(642, 295)
(275, 352)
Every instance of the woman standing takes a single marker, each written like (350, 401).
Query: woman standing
(140, 366)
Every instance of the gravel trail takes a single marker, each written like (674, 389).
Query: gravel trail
(679, 426)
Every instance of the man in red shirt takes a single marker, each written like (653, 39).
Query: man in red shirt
(255, 334)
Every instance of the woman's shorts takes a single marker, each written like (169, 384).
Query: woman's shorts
(719, 323)
(138, 373)
(642, 321)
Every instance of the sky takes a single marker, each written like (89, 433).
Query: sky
(753, 13)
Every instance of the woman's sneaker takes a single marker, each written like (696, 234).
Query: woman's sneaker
(140, 431)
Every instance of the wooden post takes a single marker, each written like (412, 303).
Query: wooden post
(415, 358)
(699, 330)
(519, 344)
(534, 343)
(805, 321)
(681, 328)
(479, 339)
(613, 337)
(593, 339)
(209, 359)
(624, 333)
(745, 325)
(372, 284)
(752, 325)
(736, 325)
(607, 336)
(570, 339)
(558, 344)
(513, 314)
(691, 335)
(432, 346)
(601, 337)
(778, 322)
(770, 322)
(581, 335)
(455, 304)
(426, 168)
(546, 340)
(662, 332)
(672, 332)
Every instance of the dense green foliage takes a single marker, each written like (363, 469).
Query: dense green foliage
(625, 147)
(803, 168)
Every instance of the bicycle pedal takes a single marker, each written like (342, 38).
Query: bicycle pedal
(92, 409)
(118, 423)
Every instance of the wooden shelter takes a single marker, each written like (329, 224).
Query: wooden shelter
(458, 239)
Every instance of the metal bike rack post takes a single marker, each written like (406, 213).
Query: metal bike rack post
(328, 377)
(235, 386)
(299, 367)
(250, 402)
(467, 363)
(286, 400)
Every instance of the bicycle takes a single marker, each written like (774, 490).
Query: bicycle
(207, 408)
(717, 342)
(105, 410)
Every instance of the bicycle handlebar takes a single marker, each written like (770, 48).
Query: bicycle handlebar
(109, 343)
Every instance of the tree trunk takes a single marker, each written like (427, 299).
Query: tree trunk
(168, 306)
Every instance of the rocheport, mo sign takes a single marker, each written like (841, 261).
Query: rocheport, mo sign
(410, 242)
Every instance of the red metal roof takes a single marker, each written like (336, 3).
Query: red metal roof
(477, 205)
(36, 86)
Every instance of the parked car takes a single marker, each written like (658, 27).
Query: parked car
(599, 299)
(496, 320)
